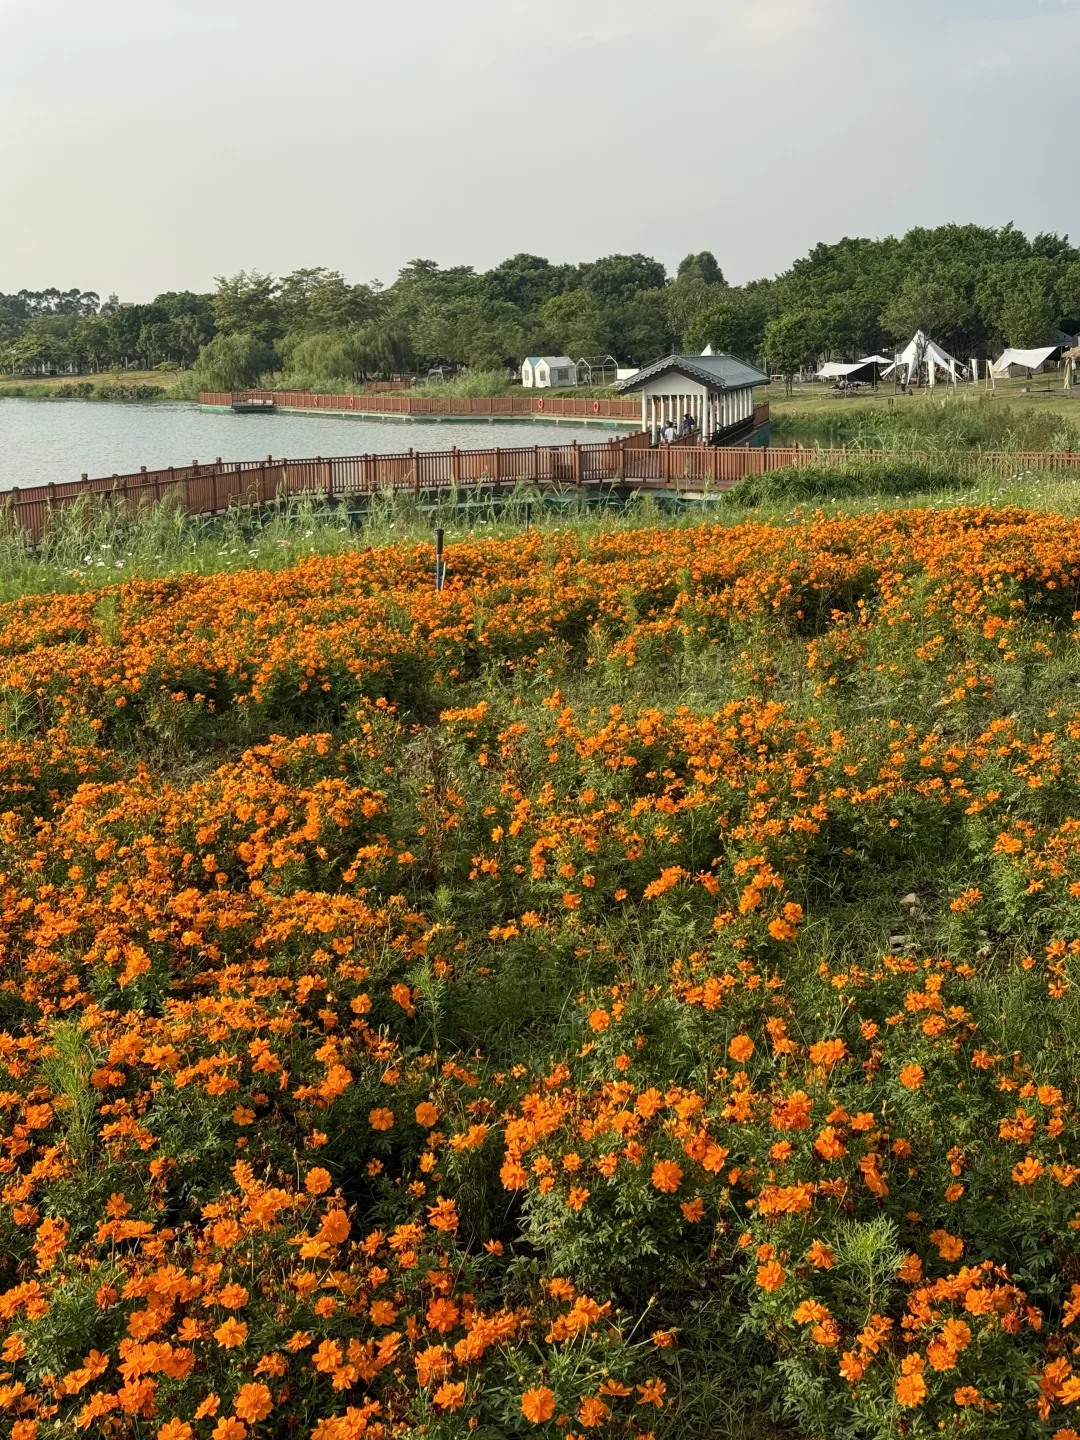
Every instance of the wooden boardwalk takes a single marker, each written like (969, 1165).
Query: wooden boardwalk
(626, 464)
(505, 407)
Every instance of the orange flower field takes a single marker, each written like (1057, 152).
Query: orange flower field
(629, 993)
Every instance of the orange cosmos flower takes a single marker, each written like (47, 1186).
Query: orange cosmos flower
(253, 1402)
(741, 1048)
(1028, 1171)
(599, 1020)
(317, 1181)
(771, 1275)
(666, 1176)
(910, 1386)
(821, 1256)
(231, 1334)
(538, 1405)
(912, 1076)
(442, 1315)
(450, 1395)
(827, 1052)
(381, 1119)
(228, 1428)
(592, 1411)
(335, 1228)
(173, 1429)
(577, 1198)
(950, 1247)
(693, 1210)
(652, 1393)
(426, 1114)
(443, 1215)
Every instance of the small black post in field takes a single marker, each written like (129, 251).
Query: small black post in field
(440, 568)
(528, 516)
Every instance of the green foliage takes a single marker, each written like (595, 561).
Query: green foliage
(972, 288)
(231, 362)
(857, 479)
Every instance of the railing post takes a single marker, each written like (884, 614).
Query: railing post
(577, 463)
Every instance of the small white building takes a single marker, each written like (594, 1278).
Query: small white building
(715, 391)
(544, 372)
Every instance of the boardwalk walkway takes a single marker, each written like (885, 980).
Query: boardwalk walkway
(626, 464)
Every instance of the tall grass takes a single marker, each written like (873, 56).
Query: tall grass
(956, 423)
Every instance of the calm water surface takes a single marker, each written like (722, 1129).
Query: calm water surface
(43, 440)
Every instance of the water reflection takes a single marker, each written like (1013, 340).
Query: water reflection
(58, 440)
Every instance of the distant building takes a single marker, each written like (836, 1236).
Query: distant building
(717, 391)
(542, 372)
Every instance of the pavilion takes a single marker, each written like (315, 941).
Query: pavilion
(717, 390)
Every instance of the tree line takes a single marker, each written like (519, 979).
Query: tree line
(973, 289)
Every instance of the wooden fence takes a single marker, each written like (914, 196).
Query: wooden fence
(213, 489)
(559, 407)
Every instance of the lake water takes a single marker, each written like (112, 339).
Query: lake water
(43, 440)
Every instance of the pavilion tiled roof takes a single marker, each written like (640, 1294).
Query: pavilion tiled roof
(718, 372)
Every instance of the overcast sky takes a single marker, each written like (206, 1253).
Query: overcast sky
(148, 145)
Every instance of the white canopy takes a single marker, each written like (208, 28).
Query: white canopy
(1030, 359)
(833, 370)
(923, 351)
(875, 360)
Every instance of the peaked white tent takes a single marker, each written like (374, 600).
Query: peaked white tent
(1025, 359)
(923, 351)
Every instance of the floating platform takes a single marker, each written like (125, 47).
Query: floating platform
(253, 407)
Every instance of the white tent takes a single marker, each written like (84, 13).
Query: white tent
(1025, 359)
(835, 370)
(923, 351)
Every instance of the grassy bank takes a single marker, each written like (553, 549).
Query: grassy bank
(1008, 419)
(116, 385)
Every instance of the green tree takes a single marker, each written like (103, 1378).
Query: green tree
(321, 299)
(577, 324)
(703, 267)
(232, 362)
(932, 305)
(791, 341)
(733, 322)
(247, 304)
(616, 278)
(1068, 298)
(1029, 317)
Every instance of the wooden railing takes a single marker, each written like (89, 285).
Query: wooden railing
(557, 406)
(213, 489)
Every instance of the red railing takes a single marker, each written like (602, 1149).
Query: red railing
(212, 489)
(558, 406)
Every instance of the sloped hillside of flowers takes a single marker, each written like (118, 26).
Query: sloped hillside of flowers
(630, 993)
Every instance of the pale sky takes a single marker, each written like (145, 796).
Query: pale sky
(148, 145)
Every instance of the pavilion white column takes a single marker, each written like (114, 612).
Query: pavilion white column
(644, 413)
